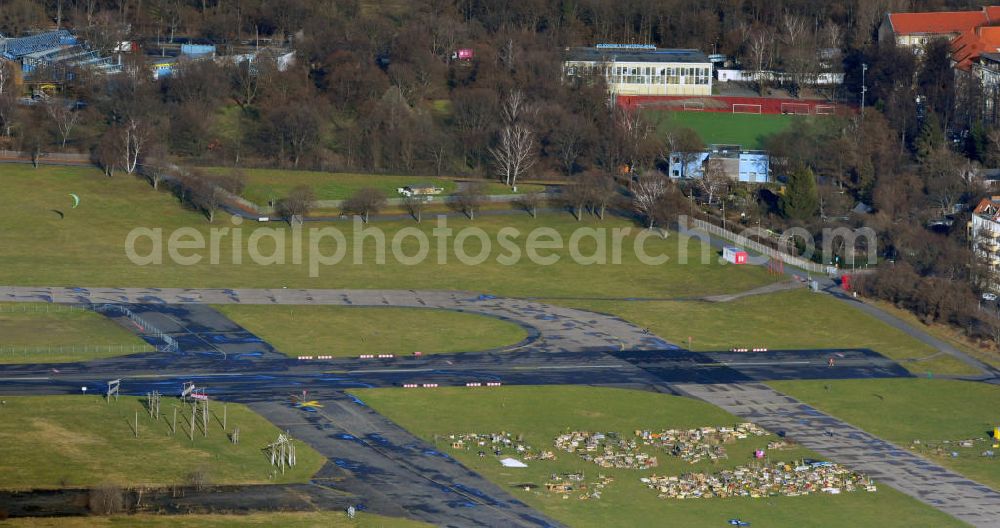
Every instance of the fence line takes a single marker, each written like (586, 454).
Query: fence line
(170, 344)
(25, 350)
(762, 249)
(40, 308)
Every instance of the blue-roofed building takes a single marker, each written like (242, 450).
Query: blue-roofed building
(635, 69)
(51, 57)
(749, 166)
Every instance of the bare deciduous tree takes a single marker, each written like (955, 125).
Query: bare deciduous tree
(415, 206)
(106, 153)
(514, 153)
(106, 499)
(247, 80)
(469, 198)
(132, 137)
(63, 116)
(646, 195)
(713, 181)
(530, 202)
(569, 141)
(759, 49)
(8, 112)
(203, 193)
(364, 202)
(600, 191)
(299, 201)
(575, 197)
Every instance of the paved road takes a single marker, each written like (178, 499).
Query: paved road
(565, 346)
(396, 473)
(945, 490)
(916, 333)
(564, 329)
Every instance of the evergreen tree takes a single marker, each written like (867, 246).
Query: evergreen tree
(801, 198)
(977, 143)
(930, 138)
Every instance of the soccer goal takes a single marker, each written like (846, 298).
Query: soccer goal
(795, 108)
(826, 110)
(739, 108)
(695, 106)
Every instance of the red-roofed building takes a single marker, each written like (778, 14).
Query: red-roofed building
(984, 230)
(914, 30)
(967, 47)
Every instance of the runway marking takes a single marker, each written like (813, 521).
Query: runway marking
(25, 379)
(763, 363)
(383, 371)
(564, 367)
(196, 375)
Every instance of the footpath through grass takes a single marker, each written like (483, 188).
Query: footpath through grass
(904, 410)
(46, 333)
(348, 331)
(283, 520)
(80, 441)
(87, 248)
(541, 413)
(265, 185)
(748, 130)
(982, 349)
(796, 319)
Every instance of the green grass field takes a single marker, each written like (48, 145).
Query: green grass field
(43, 333)
(284, 520)
(74, 441)
(265, 185)
(904, 410)
(87, 248)
(540, 413)
(347, 331)
(786, 320)
(747, 130)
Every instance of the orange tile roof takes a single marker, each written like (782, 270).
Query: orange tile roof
(940, 23)
(967, 47)
(987, 207)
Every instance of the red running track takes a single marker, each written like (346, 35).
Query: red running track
(724, 104)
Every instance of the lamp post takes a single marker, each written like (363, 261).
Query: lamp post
(864, 89)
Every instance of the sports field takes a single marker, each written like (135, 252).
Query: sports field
(349, 331)
(748, 130)
(539, 414)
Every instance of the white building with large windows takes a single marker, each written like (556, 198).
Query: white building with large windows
(984, 231)
(631, 69)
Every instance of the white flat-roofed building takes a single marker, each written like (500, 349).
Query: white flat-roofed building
(643, 70)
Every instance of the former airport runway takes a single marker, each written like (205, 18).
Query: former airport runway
(565, 346)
